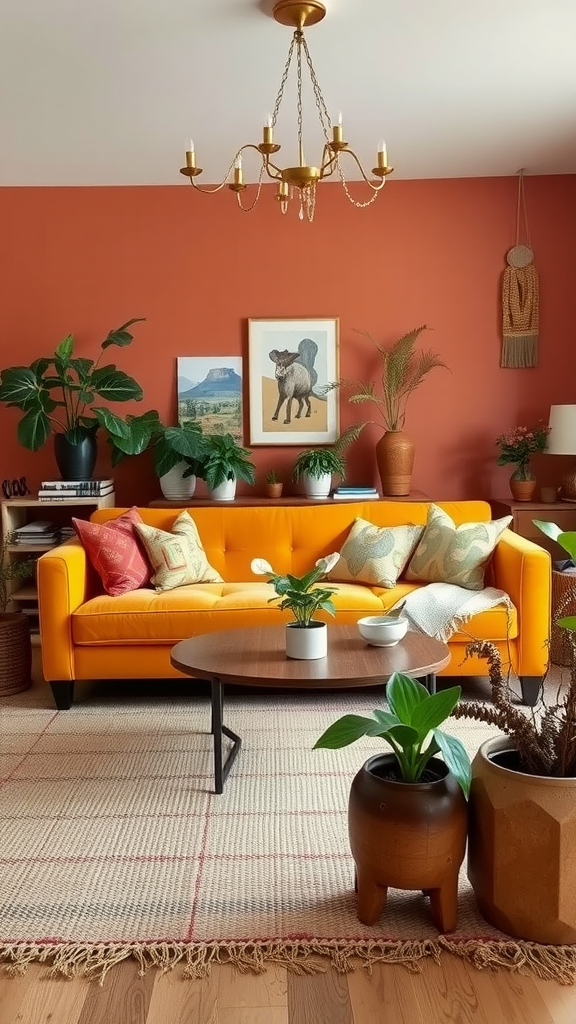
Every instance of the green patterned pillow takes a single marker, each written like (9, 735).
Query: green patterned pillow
(177, 558)
(375, 554)
(454, 554)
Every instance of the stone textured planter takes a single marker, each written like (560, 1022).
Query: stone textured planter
(521, 860)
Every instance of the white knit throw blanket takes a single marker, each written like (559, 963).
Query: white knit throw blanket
(441, 609)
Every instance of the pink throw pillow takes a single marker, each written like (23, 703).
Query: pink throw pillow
(115, 552)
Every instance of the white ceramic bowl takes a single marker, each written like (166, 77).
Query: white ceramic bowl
(383, 630)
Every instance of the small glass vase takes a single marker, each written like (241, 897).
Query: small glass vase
(523, 482)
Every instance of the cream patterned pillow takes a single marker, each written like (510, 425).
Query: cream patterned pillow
(375, 554)
(177, 558)
(454, 554)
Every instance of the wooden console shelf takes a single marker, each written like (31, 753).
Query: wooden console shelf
(563, 513)
(292, 499)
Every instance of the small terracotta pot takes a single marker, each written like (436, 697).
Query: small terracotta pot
(274, 490)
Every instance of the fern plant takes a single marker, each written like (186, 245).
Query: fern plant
(12, 569)
(403, 370)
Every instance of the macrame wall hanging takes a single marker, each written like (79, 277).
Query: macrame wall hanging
(520, 297)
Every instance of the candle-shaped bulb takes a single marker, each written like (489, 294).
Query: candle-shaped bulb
(238, 162)
(269, 121)
(339, 117)
(190, 145)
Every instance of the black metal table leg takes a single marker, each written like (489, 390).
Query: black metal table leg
(430, 682)
(218, 729)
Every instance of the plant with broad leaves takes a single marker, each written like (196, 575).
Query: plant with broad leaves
(299, 594)
(410, 728)
(57, 394)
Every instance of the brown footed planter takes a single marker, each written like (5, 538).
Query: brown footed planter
(521, 861)
(395, 461)
(408, 836)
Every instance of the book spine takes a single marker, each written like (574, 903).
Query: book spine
(64, 495)
(91, 486)
(71, 497)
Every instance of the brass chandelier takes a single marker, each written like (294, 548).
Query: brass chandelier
(300, 181)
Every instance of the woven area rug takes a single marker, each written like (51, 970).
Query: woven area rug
(113, 845)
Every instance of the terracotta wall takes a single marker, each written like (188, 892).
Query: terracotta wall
(82, 260)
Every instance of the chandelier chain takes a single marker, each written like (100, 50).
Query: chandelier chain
(283, 81)
(324, 116)
(299, 92)
(247, 209)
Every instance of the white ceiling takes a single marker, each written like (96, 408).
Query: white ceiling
(105, 92)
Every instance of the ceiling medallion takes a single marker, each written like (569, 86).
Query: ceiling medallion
(296, 182)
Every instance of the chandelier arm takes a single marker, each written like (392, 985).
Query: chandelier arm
(277, 176)
(375, 188)
(329, 162)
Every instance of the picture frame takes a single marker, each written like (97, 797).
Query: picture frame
(289, 362)
(209, 392)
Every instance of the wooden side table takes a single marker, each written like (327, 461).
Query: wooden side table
(563, 513)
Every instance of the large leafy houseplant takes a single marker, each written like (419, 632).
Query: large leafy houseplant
(59, 393)
(411, 728)
(299, 594)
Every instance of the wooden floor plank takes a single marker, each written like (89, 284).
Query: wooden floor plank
(239, 989)
(178, 1000)
(253, 1015)
(12, 994)
(49, 1000)
(560, 1000)
(384, 994)
(319, 999)
(124, 998)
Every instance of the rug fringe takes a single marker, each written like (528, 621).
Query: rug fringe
(557, 963)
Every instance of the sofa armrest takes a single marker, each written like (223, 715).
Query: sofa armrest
(523, 570)
(63, 585)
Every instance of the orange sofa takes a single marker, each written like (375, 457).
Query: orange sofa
(88, 635)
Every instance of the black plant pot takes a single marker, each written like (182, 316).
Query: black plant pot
(75, 461)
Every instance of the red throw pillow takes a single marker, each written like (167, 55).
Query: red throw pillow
(114, 550)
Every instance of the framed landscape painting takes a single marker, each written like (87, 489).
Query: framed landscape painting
(210, 392)
(289, 363)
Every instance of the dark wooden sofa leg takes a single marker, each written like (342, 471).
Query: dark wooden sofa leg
(63, 690)
(531, 688)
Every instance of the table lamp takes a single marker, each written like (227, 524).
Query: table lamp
(562, 441)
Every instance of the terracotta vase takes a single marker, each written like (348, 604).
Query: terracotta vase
(520, 862)
(395, 461)
(408, 836)
(523, 483)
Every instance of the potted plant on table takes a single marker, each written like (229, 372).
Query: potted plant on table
(224, 461)
(274, 484)
(402, 371)
(407, 815)
(516, 446)
(306, 637)
(563, 590)
(56, 394)
(522, 800)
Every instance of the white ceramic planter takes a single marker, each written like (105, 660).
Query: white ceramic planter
(225, 491)
(174, 486)
(306, 643)
(316, 487)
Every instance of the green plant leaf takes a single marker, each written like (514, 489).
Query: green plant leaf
(404, 735)
(18, 384)
(385, 719)
(568, 622)
(65, 349)
(403, 695)
(434, 710)
(120, 336)
(567, 540)
(115, 385)
(456, 759)
(550, 529)
(346, 730)
(33, 430)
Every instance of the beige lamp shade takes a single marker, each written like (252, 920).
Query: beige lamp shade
(562, 441)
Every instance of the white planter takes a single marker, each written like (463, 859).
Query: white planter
(317, 487)
(225, 491)
(174, 486)
(306, 643)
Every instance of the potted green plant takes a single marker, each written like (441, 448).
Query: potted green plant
(403, 370)
(179, 454)
(563, 590)
(315, 468)
(306, 637)
(56, 394)
(224, 462)
(516, 447)
(407, 814)
(522, 799)
(273, 484)
(15, 646)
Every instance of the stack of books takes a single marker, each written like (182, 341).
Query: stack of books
(40, 533)
(64, 490)
(357, 493)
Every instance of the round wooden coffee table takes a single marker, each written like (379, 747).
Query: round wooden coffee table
(257, 657)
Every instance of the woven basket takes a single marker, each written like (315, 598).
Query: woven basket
(15, 653)
(563, 603)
